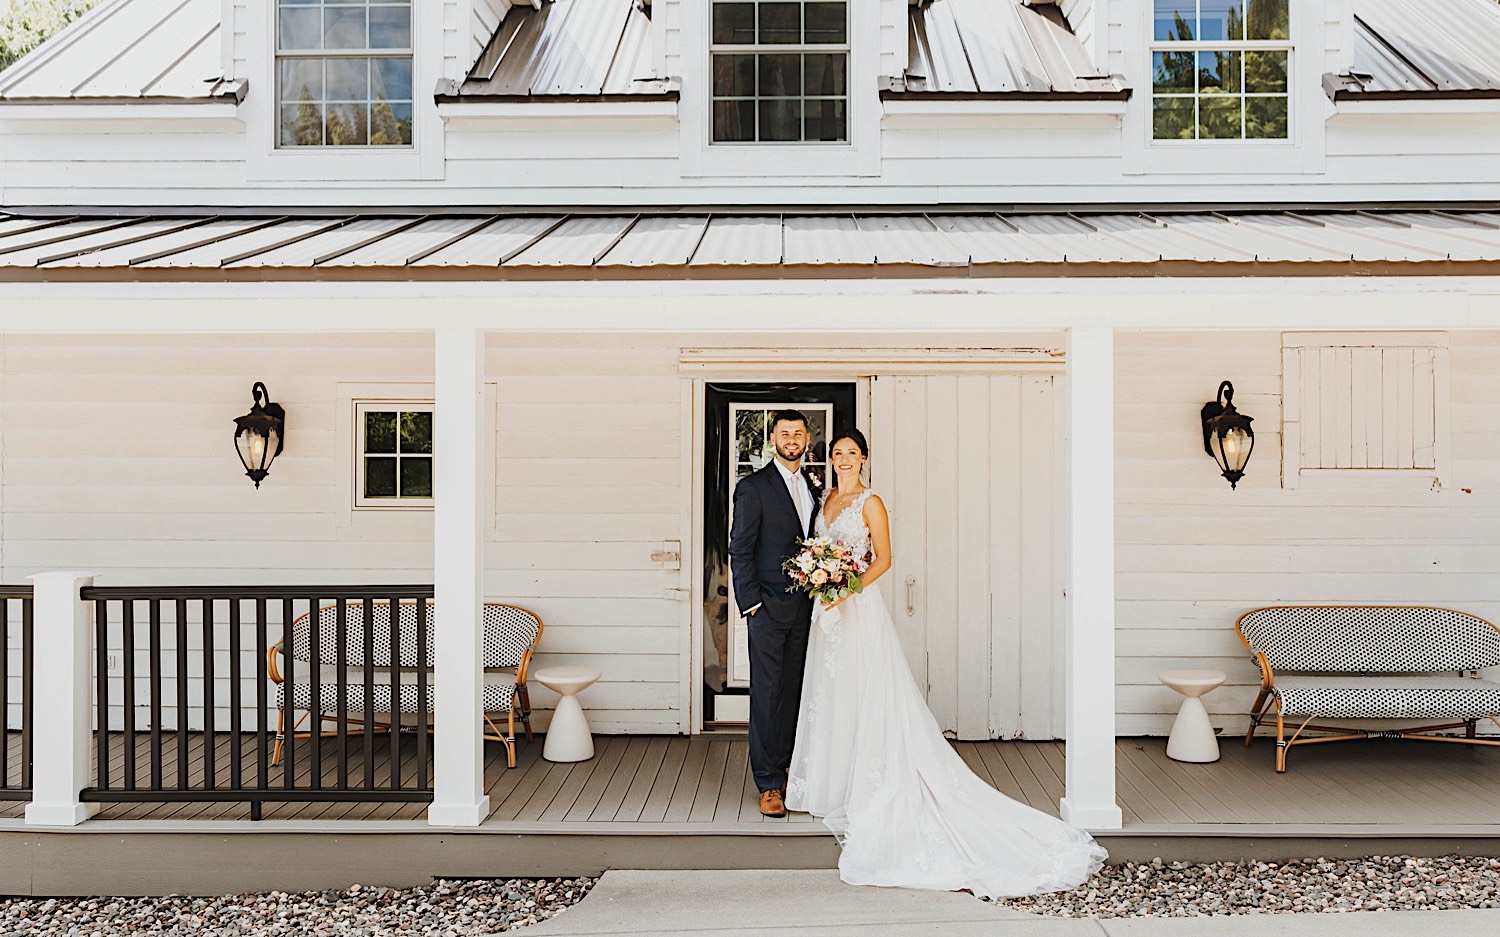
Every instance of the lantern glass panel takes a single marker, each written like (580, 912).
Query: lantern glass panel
(252, 447)
(1236, 447)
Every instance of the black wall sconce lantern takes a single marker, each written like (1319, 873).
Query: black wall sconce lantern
(259, 434)
(1227, 435)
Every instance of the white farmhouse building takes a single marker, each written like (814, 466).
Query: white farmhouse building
(526, 279)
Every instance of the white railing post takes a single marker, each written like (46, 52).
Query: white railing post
(458, 577)
(61, 717)
(1089, 796)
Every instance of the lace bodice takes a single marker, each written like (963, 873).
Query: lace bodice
(849, 526)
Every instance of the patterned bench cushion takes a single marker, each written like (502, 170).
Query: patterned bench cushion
(1371, 638)
(499, 694)
(1388, 697)
(508, 632)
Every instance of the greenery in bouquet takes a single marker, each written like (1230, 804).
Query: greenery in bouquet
(826, 569)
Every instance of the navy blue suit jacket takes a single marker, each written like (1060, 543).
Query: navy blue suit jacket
(762, 536)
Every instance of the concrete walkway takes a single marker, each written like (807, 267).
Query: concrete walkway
(816, 903)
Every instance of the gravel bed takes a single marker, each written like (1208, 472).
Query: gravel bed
(465, 908)
(1184, 889)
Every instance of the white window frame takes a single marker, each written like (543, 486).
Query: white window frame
(398, 503)
(284, 55)
(335, 168)
(783, 162)
(1241, 46)
(757, 49)
(1236, 162)
(1294, 475)
(397, 521)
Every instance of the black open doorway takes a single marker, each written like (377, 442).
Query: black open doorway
(738, 421)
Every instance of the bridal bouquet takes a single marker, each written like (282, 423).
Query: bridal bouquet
(826, 569)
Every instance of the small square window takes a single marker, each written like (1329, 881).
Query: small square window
(394, 454)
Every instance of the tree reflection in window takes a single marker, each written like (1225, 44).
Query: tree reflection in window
(344, 72)
(1220, 69)
(396, 454)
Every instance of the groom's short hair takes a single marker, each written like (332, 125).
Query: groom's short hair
(789, 416)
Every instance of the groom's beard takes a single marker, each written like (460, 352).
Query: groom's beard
(791, 455)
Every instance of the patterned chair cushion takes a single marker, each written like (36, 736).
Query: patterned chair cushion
(499, 694)
(508, 632)
(1388, 697)
(1371, 639)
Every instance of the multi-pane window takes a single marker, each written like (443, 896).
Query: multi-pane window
(780, 72)
(1220, 69)
(395, 454)
(344, 72)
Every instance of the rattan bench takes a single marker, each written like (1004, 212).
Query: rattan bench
(1397, 662)
(511, 635)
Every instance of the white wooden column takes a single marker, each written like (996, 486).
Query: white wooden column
(62, 718)
(458, 571)
(1089, 795)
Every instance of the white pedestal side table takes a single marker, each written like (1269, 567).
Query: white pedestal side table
(568, 736)
(1192, 737)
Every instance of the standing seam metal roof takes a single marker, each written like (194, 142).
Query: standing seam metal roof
(1421, 48)
(696, 242)
(128, 50)
(567, 48)
(997, 47)
(169, 50)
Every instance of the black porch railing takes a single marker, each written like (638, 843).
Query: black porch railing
(16, 626)
(190, 706)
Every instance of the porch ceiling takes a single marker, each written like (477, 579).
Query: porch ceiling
(747, 243)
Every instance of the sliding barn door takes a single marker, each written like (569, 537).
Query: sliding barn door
(969, 464)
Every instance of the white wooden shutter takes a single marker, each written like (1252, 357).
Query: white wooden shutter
(1365, 409)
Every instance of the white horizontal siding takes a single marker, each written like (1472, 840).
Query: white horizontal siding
(1193, 555)
(118, 459)
(894, 25)
(562, 161)
(588, 474)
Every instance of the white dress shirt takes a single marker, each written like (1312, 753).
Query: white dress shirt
(802, 496)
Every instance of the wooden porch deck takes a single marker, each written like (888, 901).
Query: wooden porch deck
(678, 803)
(702, 785)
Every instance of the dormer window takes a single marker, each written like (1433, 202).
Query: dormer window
(1219, 70)
(780, 71)
(343, 72)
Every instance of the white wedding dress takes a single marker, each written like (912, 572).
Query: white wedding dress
(871, 762)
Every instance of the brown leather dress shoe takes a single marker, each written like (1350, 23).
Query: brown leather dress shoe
(771, 804)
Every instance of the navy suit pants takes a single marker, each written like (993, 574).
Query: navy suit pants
(778, 655)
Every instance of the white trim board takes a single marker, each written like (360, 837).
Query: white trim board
(807, 309)
(723, 363)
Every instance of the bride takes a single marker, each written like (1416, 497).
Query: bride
(872, 763)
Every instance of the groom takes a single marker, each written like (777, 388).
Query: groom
(773, 509)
